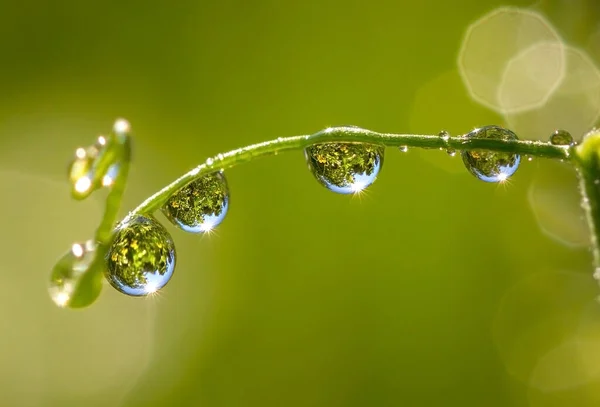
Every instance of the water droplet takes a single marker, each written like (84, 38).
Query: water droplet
(80, 168)
(491, 166)
(561, 138)
(199, 206)
(345, 168)
(444, 135)
(209, 161)
(451, 152)
(141, 259)
(69, 271)
(81, 171)
(530, 158)
(220, 156)
(403, 149)
(121, 129)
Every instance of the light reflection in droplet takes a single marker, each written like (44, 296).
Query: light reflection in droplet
(83, 184)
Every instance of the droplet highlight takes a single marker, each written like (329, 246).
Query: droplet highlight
(141, 259)
(69, 271)
(111, 175)
(561, 138)
(491, 166)
(345, 168)
(403, 149)
(199, 206)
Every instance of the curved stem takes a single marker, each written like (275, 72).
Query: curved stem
(113, 200)
(349, 134)
(587, 163)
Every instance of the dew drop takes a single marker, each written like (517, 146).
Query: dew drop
(451, 152)
(199, 206)
(345, 168)
(141, 259)
(491, 166)
(69, 271)
(403, 149)
(209, 161)
(561, 138)
(81, 172)
(80, 168)
(121, 129)
(444, 135)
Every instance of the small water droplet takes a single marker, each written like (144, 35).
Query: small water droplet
(121, 129)
(451, 152)
(199, 206)
(80, 166)
(68, 272)
(141, 259)
(209, 161)
(220, 156)
(81, 172)
(491, 166)
(530, 158)
(444, 135)
(403, 149)
(345, 168)
(561, 138)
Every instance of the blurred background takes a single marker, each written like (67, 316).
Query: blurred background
(430, 289)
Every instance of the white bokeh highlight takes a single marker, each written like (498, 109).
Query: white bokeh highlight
(555, 201)
(574, 105)
(511, 60)
(531, 77)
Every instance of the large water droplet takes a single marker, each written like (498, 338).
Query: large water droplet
(345, 168)
(561, 138)
(491, 166)
(199, 206)
(69, 272)
(141, 259)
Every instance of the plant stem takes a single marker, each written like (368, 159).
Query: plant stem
(587, 163)
(349, 134)
(113, 200)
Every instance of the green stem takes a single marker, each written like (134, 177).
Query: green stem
(348, 134)
(587, 162)
(113, 200)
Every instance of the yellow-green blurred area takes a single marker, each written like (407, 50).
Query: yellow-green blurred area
(430, 289)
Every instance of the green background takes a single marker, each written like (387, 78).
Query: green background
(431, 289)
